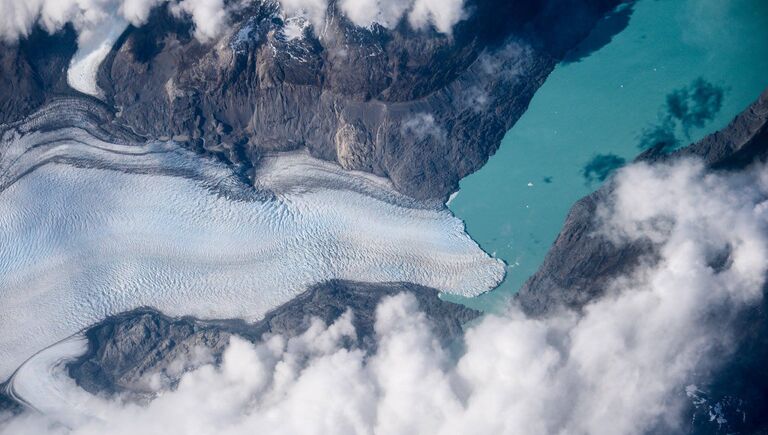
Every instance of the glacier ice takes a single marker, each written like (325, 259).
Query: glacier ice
(94, 44)
(91, 227)
(43, 384)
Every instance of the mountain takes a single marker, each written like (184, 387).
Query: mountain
(420, 107)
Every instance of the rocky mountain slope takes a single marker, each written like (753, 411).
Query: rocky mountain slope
(421, 107)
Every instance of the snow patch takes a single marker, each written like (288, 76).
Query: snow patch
(295, 27)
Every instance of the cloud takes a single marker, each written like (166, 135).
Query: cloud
(210, 17)
(18, 17)
(442, 14)
(620, 366)
(313, 10)
(137, 11)
(422, 126)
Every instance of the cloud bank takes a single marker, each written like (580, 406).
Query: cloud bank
(18, 17)
(442, 14)
(420, 14)
(210, 17)
(620, 366)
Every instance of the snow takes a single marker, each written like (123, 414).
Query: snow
(246, 34)
(93, 47)
(43, 384)
(91, 228)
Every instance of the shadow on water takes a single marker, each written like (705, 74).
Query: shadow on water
(603, 33)
(601, 166)
(687, 108)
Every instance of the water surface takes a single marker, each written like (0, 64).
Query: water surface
(593, 113)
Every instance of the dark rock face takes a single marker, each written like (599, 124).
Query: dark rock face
(33, 70)
(422, 108)
(126, 347)
(579, 266)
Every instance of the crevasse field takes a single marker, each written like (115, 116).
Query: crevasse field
(92, 228)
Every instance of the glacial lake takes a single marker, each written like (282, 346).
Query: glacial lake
(679, 69)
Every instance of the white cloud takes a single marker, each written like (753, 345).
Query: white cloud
(312, 10)
(18, 17)
(367, 12)
(442, 14)
(137, 11)
(621, 366)
(422, 125)
(209, 16)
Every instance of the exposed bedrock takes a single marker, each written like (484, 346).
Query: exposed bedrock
(582, 263)
(420, 107)
(124, 349)
(32, 70)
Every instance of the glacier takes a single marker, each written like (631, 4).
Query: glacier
(93, 46)
(94, 225)
(42, 383)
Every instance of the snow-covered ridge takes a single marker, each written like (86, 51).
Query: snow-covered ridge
(91, 228)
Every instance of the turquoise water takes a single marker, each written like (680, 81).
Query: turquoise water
(515, 206)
